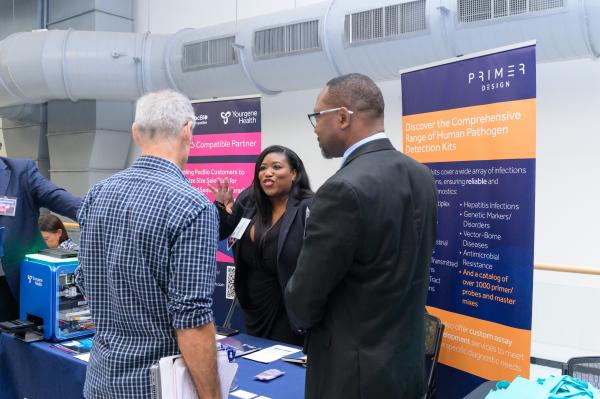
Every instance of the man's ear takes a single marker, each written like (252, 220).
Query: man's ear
(187, 132)
(135, 135)
(344, 118)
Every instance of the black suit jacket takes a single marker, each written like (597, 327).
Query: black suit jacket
(362, 277)
(289, 241)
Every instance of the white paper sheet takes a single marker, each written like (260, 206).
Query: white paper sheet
(84, 356)
(240, 393)
(184, 385)
(183, 381)
(271, 353)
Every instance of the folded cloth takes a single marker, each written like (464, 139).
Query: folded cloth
(553, 387)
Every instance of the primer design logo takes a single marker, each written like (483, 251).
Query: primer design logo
(497, 78)
(36, 280)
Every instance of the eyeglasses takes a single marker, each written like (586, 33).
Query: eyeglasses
(313, 117)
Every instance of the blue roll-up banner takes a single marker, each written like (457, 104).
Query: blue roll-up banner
(472, 120)
(225, 144)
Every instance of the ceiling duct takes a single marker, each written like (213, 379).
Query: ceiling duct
(291, 39)
(477, 10)
(290, 50)
(208, 53)
(385, 22)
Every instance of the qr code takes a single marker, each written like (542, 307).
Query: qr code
(229, 289)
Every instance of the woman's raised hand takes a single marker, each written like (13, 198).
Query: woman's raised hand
(223, 194)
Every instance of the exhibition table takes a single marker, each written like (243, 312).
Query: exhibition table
(39, 371)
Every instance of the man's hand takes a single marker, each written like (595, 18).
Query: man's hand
(199, 352)
(223, 194)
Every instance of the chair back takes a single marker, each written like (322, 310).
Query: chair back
(434, 330)
(585, 369)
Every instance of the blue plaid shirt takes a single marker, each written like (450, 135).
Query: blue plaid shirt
(147, 266)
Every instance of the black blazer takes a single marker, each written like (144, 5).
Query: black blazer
(291, 235)
(362, 277)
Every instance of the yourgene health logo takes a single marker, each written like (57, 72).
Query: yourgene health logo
(225, 116)
(242, 117)
(35, 280)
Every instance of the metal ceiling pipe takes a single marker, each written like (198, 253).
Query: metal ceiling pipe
(39, 66)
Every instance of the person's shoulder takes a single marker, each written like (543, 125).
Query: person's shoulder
(301, 200)
(339, 182)
(244, 201)
(93, 191)
(112, 183)
(388, 158)
(112, 179)
(184, 191)
(17, 164)
(187, 201)
(246, 196)
(307, 199)
(159, 181)
(413, 166)
(306, 203)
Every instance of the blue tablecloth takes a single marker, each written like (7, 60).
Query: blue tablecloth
(39, 371)
(289, 386)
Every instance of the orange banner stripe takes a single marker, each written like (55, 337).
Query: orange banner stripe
(488, 350)
(486, 132)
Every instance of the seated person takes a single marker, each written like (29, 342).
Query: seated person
(54, 233)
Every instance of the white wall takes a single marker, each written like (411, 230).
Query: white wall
(567, 164)
(159, 16)
(568, 138)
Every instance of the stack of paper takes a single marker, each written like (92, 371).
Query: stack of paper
(174, 380)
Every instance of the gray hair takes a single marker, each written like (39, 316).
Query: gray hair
(163, 113)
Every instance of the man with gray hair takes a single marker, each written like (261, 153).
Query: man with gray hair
(147, 260)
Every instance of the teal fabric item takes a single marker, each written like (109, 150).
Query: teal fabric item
(553, 387)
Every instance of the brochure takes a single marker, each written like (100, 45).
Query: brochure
(297, 358)
(241, 348)
(76, 346)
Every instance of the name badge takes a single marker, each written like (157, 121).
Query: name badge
(8, 206)
(306, 222)
(238, 232)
